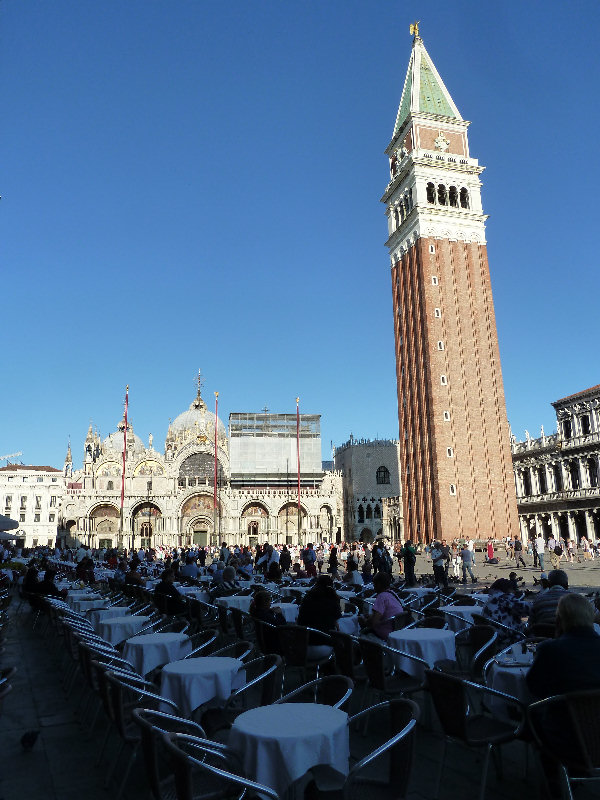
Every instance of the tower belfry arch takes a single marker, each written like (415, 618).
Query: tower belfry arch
(457, 476)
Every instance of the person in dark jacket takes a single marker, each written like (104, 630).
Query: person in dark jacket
(285, 560)
(172, 600)
(320, 606)
(48, 588)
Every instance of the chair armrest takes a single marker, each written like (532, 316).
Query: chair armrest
(320, 634)
(384, 747)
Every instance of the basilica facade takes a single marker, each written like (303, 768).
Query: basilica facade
(169, 496)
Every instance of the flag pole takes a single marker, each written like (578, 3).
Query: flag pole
(215, 484)
(298, 457)
(123, 470)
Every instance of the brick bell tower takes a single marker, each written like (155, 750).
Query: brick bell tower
(457, 476)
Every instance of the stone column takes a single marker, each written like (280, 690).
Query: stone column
(589, 526)
(572, 527)
(554, 521)
(539, 527)
(524, 531)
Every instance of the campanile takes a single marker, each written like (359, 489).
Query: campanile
(457, 477)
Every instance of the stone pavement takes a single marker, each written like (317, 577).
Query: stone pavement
(61, 764)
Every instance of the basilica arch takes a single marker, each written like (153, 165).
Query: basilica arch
(146, 522)
(288, 523)
(254, 521)
(103, 524)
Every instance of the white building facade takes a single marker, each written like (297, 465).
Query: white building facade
(370, 472)
(557, 477)
(169, 497)
(32, 496)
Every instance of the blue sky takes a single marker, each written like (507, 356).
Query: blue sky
(196, 184)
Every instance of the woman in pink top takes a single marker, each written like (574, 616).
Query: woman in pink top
(386, 605)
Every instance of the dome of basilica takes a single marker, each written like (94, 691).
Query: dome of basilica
(115, 440)
(196, 421)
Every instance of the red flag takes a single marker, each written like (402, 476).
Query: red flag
(216, 428)
(298, 453)
(124, 449)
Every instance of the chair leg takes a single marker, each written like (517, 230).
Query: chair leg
(484, 772)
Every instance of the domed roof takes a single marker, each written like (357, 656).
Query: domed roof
(197, 420)
(115, 440)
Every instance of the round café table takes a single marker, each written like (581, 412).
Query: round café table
(430, 644)
(348, 623)
(460, 617)
(88, 604)
(117, 629)
(194, 682)
(278, 744)
(98, 615)
(236, 601)
(507, 674)
(151, 650)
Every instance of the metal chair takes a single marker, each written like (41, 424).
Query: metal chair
(294, 642)
(383, 675)
(192, 760)
(577, 748)
(332, 690)
(241, 650)
(454, 700)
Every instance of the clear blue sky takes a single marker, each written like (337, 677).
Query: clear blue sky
(196, 184)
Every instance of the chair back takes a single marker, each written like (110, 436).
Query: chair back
(347, 653)
(332, 690)
(374, 661)
(266, 636)
(293, 643)
(152, 726)
(449, 699)
(239, 650)
(264, 678)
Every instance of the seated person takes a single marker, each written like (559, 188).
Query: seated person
(260, 608)
(30, 582)
(387, 604)
(226, 587)
(190, 569)
(274, 572)
(298, 572)
(544, 605)
(352, 576)
(503, 607)
(569, 663)
(133, 576)
(48, 588)
(320, 609)
(514, 581)
(120, 573)
(243, 573)
(216, 570)
(85, 570)
(173, 601)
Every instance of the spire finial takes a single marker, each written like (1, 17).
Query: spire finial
(200, 382)
(414, 29)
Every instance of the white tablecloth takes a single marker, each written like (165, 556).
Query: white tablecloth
(76, 596)
(84, 605)
(286, 591)
(508, 676)
(242, 602)
(196, 681)
(279, 744)
(430, 644)
(349, 624)
(117, 629)
(465, 613)
(101, 614)
(289, 611)
(151, 650)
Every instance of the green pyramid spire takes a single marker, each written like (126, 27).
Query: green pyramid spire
(424, 90)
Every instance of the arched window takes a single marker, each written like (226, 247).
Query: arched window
(584, 423)
(542, 480)
(574, 472)
(558, 481)
(440, 345)
(464, 198)
(361, 514)
(442, 195)
(377, 512)
(567, 429)
(592, 466)
(369, 512)
(396, 217)
(110, 486)
(382, 475)
(526, 483)
(453, 196)
(430, 193)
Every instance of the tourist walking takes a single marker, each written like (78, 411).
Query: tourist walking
(467, 564)
(518, 551)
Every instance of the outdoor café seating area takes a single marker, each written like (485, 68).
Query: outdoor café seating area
(211, 702)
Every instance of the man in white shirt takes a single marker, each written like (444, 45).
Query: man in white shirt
(540, 546)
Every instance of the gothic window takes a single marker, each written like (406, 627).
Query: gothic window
(574, 473)
(430, 193)
(110, 486)
(369, 514)
(567, 429)
(542, 480)
(526, 483)
(464, 198)
(382, 475)
(584, 422)
(558, 482)
(377, 512)
(361, 514)
(442, 195)
(453, 197)
(592, 466)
